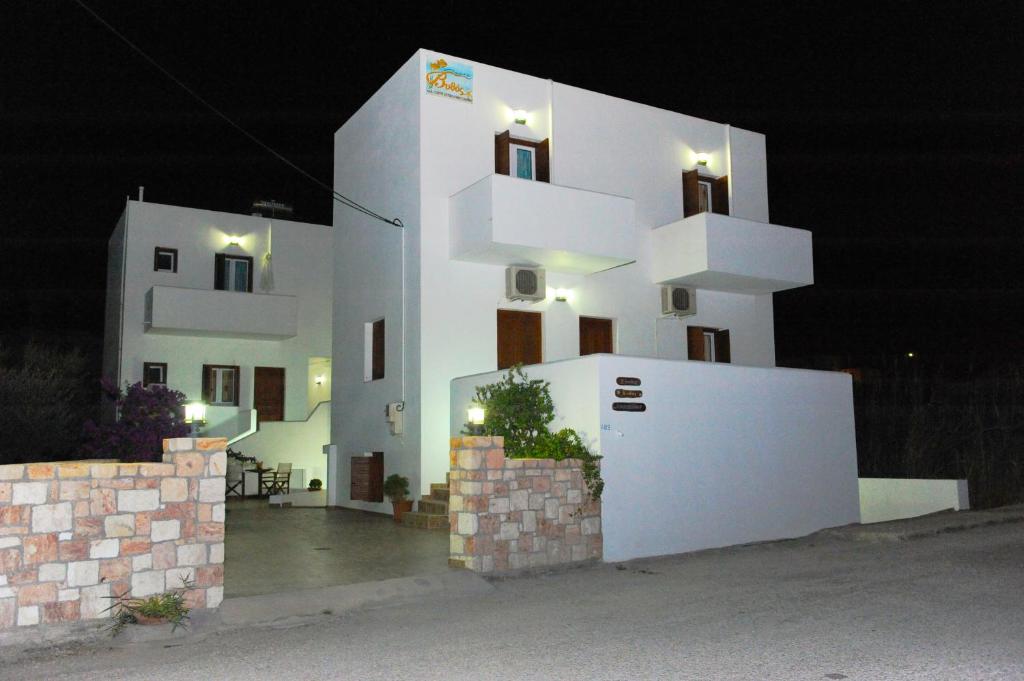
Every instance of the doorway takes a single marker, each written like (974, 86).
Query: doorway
(519, 338)
(268, 393)
(708, 344)
(595, 336)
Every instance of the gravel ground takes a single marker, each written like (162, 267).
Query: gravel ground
(949, 606)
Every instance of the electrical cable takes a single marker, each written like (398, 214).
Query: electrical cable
(337, 196)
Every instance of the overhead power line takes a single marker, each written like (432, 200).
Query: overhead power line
(337, 196)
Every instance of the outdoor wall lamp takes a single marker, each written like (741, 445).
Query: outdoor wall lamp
(319, 380)
(195, 416)
(702, 158)
(475, 416)
(234, 241)
(562, 295)
(520, 116)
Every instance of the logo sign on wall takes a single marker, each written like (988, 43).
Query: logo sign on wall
(450, 80)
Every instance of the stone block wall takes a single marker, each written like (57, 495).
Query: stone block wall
(511, 514)
(72, 534)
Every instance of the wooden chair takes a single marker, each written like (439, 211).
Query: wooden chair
(235, 478)
(280, 481)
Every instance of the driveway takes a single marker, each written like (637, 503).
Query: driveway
(270, 549)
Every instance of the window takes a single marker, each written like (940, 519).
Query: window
(703, 194)
(373, 351)
(522, 158)
(521, 162)
(233, 273)
(165, 259)
(220, 384)
(706, 344)
(154, 373)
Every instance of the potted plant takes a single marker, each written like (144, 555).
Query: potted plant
(164, 608)
(315, 485)
(396, 488)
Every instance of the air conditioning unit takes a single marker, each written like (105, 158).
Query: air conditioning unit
(525, 283)
(678, 301)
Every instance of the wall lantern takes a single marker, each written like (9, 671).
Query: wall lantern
(234, 240)
(475, 416)
(319, 380)
(702, 158)
(520, 116)
(562, 295)
(195, 415)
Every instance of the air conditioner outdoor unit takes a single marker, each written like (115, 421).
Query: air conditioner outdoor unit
(525, 283)
(678, 301)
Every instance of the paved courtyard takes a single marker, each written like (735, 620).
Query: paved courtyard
(270, 549)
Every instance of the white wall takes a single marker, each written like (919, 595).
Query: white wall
(723, 454)
(302, 268)
(113, 311)
(598, 143)
(318, 392)
(376, 162)
(884, 499)
(297, 442)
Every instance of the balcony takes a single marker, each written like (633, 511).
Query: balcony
(220, 314)
(723, 253)
(503, 220)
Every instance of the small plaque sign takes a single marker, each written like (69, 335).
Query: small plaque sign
(629, 406)
(627, 380)
(622, 392)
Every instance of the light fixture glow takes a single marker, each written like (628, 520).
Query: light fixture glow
(702, 158)
(234, 240)
(475, 415)
(562, 295)
(520, 116)
(319, 380)
(910, 355)
(195, 415)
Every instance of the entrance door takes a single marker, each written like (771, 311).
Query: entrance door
(519, 338)
(268, 393)
(595, 335)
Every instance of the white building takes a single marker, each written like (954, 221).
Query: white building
(194, 302)
(489, 169)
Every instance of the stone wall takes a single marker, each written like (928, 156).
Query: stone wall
(73, 534)
(511, 514)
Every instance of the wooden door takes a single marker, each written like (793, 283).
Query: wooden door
(268, 393)
(595, 335)
(519, 338)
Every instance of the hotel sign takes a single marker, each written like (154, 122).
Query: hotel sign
(450, 80)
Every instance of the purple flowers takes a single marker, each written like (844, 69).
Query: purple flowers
(146, 415)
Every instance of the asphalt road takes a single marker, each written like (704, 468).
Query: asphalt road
(944, 607)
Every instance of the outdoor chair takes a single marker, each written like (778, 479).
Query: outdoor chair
(235, 478)
(278, 482)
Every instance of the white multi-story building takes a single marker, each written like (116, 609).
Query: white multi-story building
(489, 169)
(233, 310)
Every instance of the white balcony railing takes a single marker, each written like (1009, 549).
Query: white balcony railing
(223, 314)
(503, 220)
(724, 253)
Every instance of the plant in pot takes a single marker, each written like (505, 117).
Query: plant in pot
(315, 485)
(163, 608)
(396, 488)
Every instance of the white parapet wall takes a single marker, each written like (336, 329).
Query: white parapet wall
(721, 455)
(299, 443)
(884, 499)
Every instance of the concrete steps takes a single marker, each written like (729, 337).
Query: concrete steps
(431, 511)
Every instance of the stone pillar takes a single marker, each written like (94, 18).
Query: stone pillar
(511, 514)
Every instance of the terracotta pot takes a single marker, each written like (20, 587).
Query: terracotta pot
(400, 507)
(148, 620)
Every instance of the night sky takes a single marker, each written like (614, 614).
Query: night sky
(894, 134)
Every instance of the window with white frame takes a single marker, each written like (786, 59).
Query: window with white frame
(522, 162)
(233, 273)
(154, 373)
(220, 384)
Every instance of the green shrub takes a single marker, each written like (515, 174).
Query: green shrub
(396, 487)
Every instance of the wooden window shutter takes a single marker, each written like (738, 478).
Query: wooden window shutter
(720, 195)
(544, 161)
(208, 384)
(218, 272)
(695, 342)
(501, 149)
(377, 363)
(691, 193)
(238, 381)
(722, 346)
(251, 268)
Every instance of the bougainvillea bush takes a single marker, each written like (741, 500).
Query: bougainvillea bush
(146, 415)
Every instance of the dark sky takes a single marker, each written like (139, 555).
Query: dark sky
(894, 134)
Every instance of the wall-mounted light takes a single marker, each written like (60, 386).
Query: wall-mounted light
(234, 240)
(475, 416)
(562, 295)
(702, 158)
(519, 115)
(195, 416)
(910, 355)
(319, 379)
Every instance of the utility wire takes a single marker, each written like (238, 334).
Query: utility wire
(337, 196)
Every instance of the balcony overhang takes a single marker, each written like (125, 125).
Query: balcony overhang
(723, 253)
(502, 220)
(220, 314)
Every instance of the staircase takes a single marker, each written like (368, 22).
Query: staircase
(431, 511)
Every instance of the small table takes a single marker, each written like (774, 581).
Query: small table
(259, 479)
